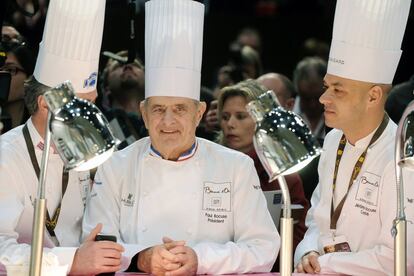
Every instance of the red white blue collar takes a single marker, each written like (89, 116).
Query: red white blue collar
(184, 156)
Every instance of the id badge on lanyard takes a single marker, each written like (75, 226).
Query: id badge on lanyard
(339, 243)
(335, 243)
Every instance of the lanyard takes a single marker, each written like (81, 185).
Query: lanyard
(357, 168)
(50, 223)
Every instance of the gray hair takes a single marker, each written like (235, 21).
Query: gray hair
(32, 90)
(308, 68)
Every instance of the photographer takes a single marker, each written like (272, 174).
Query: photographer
(19, 63)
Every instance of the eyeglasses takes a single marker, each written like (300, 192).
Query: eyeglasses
(13, 70)
(11, 41)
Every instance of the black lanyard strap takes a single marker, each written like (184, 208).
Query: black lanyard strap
(357, 168)
(50, 223)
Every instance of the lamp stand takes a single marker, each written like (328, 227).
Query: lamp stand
(286, 231)
(399, 228)
(400, 247)
(39, 216)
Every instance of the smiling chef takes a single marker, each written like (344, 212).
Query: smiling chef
(180, 204)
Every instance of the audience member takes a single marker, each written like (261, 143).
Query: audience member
(308, 81)
(20, 64)
(123, 83)
(237, 133)
(281, 86)
(399, 97)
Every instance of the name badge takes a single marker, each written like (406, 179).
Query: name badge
(217, 197)
(85, 187)
(335, 244)
(368, 189)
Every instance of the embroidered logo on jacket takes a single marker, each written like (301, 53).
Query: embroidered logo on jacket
(129, 201)
(368, 188)
(217, 197)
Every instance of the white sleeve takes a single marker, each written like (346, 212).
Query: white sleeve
(12, 205)
(103, 206)
(377, 260)
(256, 240)
(310, 240)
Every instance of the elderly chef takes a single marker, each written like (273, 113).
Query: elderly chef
(178, 203)
(63, 55)
(354, 203)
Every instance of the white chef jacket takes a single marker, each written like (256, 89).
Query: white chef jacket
(368, 212)
(18, 190)
(212, 200)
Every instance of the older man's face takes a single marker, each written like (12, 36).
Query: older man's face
(171, 123)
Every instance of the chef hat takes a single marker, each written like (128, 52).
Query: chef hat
(71, 44)
(173, 48)
(366, 41)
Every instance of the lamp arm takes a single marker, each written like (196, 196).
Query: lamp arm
(45, 158)
(287, 213)
(399, 228)
(399, 152)
(39, 216)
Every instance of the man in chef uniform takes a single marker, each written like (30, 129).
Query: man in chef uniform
(63, 55)
(178, 203)
(354, 204)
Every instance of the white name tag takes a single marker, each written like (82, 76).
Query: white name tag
(368, 188)
(217, 197)
(333, 243)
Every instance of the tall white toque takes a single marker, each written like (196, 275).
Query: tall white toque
(71, 44)
(366, 40)
(173, 48)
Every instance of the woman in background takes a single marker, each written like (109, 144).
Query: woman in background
(237, 131)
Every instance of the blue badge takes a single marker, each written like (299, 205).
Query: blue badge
(91, 80)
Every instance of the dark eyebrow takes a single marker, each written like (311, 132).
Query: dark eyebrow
(11, 63)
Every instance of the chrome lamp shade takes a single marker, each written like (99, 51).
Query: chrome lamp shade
(83, 140)
(282, 140)
(79, 130)
(404, 158)
(284, 145)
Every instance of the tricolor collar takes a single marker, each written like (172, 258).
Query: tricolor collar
(184, 156)
(36, 138)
